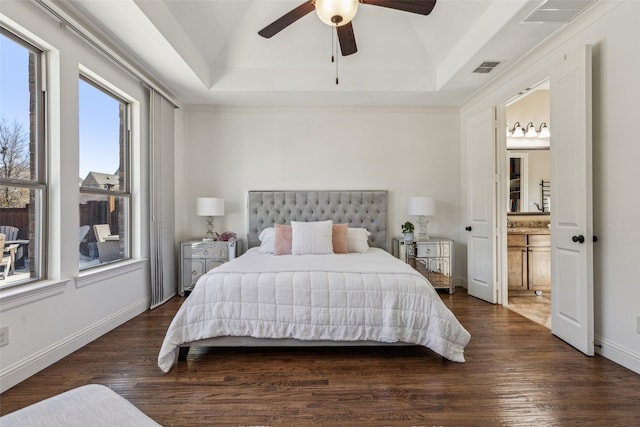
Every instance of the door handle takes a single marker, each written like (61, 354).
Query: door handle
(468, 228)
(578, 239)
(595, 239)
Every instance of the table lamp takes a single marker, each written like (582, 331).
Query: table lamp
(422, 207)
(209, 207)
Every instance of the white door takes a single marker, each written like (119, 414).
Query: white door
(571, 201)
(481, 202)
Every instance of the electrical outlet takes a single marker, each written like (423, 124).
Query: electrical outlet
(638, 324)
(4, 336)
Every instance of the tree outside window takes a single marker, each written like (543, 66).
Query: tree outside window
(14, 161)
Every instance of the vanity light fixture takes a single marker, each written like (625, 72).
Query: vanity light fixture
(528, 131)
(543, 132)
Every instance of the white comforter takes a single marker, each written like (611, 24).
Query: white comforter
(349, 297)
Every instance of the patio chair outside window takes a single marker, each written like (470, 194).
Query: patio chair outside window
(82, 233)
(108, 244)
(10, 232)
(8, 256)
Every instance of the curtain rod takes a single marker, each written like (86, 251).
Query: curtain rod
(92, 41)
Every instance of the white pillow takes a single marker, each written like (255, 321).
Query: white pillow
(311, 237)
(267, 240)
(358, 240)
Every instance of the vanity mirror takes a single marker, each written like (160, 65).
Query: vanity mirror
(529, 189)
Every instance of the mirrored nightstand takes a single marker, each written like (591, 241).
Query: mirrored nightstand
(433, 258)
(198, 257)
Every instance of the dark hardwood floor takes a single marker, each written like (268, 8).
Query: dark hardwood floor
(516, 374)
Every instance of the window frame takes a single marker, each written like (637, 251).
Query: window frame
(39, 184)
(126, 154)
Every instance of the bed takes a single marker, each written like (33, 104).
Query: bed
(291, 289)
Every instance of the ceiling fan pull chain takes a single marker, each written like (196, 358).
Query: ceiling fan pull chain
(337, 68)
(337, 54)
(333, 46)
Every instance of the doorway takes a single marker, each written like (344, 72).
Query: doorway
(527, 246)
(571, 201)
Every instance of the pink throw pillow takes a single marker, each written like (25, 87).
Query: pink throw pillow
(282, 243)
(339, 239)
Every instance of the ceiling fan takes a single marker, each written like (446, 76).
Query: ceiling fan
(339, 13)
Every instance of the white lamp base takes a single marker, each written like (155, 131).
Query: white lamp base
(211, 237)
(422, 233)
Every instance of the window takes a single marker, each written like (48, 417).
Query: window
(104, 175)
(22, 168)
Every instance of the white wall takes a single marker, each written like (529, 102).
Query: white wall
(612, 28)
(405, 151)
(52, 318)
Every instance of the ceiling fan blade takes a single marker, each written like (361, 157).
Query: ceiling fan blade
(347, 39)
(422, 7)
(287, 19)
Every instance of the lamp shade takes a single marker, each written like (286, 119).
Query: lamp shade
(209, 206)
(336, 12)
(544, 131)
(517, 130)
(530, 131)
(421, 205)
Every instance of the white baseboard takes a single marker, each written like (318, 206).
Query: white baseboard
(31, 365)
(457, 281)
(617, 353)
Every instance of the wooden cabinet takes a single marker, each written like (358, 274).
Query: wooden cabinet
(196, 258)
(539, 262)
(517, 261)
(529, 262)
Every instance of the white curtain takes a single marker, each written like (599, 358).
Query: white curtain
(164, 284)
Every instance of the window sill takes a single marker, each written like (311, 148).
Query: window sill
(17, 296)
(98, 274)
(26, 294)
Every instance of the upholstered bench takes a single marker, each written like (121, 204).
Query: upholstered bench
(90, 405)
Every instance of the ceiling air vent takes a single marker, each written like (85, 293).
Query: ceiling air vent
(558, 11)
(486, 67)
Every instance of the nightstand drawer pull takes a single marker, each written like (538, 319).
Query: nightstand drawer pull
(426, 251)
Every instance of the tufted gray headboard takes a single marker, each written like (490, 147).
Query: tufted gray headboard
(365, 209)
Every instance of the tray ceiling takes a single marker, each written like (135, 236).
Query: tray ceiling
(209, 51)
